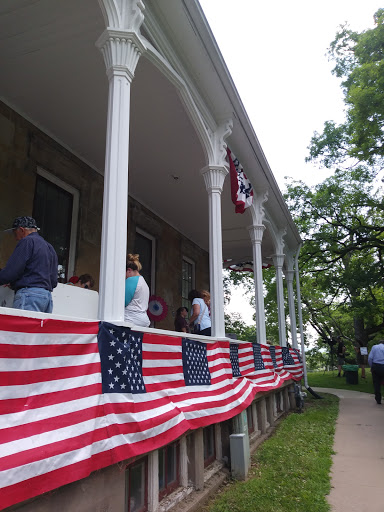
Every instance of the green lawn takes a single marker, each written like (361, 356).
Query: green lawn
(290, 470)
(330, 380)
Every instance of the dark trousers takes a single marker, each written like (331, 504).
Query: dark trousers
(377, 376)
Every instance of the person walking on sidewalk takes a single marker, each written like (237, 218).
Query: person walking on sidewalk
(376, 362)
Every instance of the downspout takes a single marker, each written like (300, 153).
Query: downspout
(298, 294)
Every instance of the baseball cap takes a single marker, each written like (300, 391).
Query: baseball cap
(23, 222)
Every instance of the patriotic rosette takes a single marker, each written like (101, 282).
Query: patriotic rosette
(246, 266)
(157, 308)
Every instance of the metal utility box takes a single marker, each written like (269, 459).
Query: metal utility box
(240, 459)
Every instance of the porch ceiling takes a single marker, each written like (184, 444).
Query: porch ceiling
(53, 75)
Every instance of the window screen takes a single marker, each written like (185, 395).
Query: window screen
(186, 282)
(143, 247)
(209, 444)
(168, 469)
(137, 486)
(52, 209)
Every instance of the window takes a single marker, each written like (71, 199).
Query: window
(209, 445)
(251, 426)
(137, 486)
(187, 281)
(55, 209)
(168, 469)
(145, 247)
(278, 402)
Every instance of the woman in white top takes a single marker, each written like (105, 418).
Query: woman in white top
(136, 293)
(200, 318)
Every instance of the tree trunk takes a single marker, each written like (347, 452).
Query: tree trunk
(361, 334)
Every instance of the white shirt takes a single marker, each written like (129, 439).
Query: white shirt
(376, 354)
(136, 311)
(203, 318)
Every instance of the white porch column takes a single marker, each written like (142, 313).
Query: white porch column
(153, 481)
(256, 234)
(121, 50)
(278, 261)
(291, 305)
(300, 316)
(214, 177)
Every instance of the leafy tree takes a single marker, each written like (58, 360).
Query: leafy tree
(235, 324)
(270, 305)
(359, 62)
(316, 359)
(341, 221)
(342, 218)
(232, 278)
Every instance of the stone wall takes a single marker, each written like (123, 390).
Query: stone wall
(171, 246)
(24, 148)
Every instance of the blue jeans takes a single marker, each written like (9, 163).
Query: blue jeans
(33, 299)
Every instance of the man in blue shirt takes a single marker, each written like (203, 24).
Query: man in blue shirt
(32, 268)
(376, 362)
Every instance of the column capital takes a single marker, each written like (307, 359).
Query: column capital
(278, 260)
(214, 177)
(279, 239)
(123, 15)
(121, 50)
(256, 232)
(257, 210)
(217, 154)
(289, 274)
(289, 260)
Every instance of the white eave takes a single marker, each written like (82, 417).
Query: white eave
(53, 75)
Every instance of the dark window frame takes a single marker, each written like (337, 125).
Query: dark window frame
(169, 487)
(251, 425)
(144, 508)
(209, 456)
(143, 234)
(41, 173)
(191, 282)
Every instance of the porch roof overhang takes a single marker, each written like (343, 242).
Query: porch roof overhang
(53, 75)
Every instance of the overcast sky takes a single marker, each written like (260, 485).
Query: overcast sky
(276, 54)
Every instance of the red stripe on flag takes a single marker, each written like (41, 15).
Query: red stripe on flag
(156, 356)
(9, 351)
(162, 340)
(161, 386)
(50, 326)
(167, 370)
(14, 405)
(52, 374)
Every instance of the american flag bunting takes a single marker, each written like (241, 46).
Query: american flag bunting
(241, 187)
(80, 396)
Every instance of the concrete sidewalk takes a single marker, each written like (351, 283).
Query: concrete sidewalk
(358, 464)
